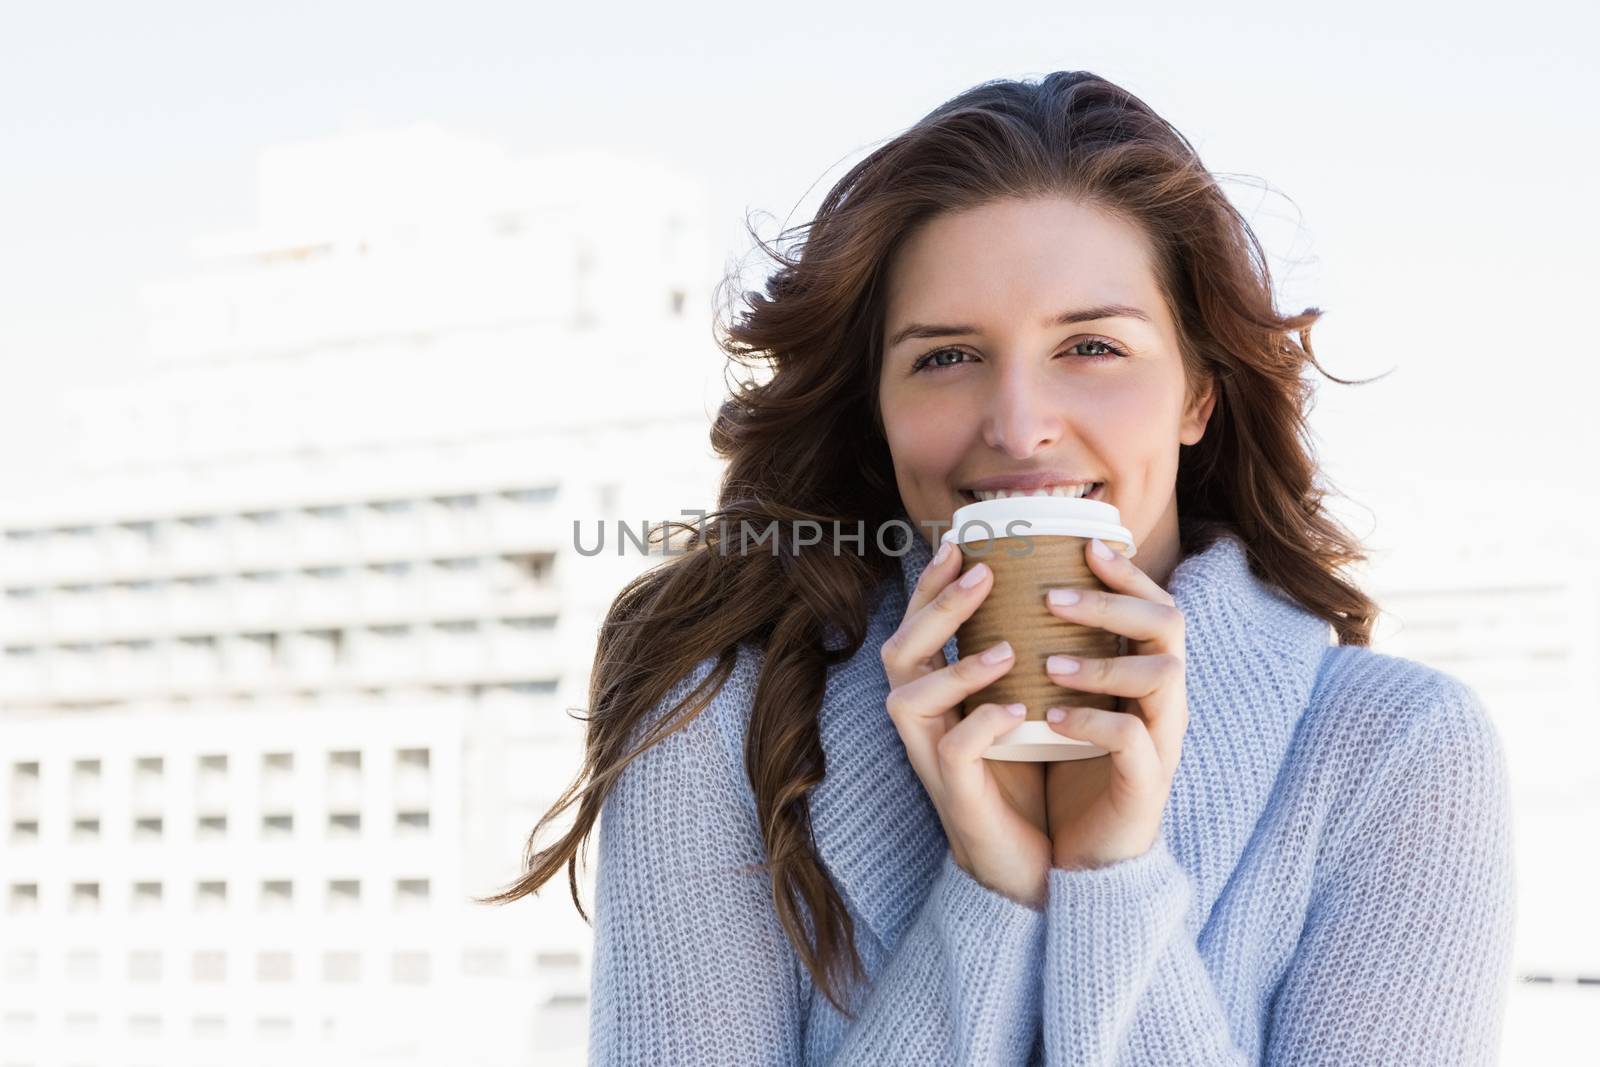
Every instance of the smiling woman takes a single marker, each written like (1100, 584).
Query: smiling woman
(1025, 389)
(804, 857)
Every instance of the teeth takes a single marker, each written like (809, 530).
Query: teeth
(1073, 491)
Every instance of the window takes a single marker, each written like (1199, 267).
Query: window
(146, 896)
(531, 566)
(274, 967)
(275, 827)
(22, 965)
(411, 893)
(85, 830)
(411, 823)
(23, 898)
(80, 1023)
(344, 824)
(85, 896)
(147, 828)
(149, 773)
(211, 827)
(210, 896)
(24, 831)
(344, 894)
(210, 965)
(277, 895)
(485, 963)
(18, 1023)
(83, 964)
(344, 780)
(411, 968)
(85, 784)
(557, 961)
(541, 495)
(145, 965)
(341, 967)
(24, 784)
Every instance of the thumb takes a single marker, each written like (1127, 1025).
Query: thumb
(961, 763)
(1121, 733)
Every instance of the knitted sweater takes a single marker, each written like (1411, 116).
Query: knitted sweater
(1332, 884)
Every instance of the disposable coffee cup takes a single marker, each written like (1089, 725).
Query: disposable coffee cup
(1034, 544)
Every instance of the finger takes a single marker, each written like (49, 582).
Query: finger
(1124, 736)
(936, 575)
(917, 647)
(1158, 625)
(960, 751)
(1121, 573)
(924, 709)
(1155, 682)
(1135, 677)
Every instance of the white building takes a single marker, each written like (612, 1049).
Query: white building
(293, 627)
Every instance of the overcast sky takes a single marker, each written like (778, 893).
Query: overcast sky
(1430, 168)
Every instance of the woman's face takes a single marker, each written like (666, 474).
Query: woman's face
(983, 379)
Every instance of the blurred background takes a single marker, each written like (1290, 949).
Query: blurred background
(322, 324)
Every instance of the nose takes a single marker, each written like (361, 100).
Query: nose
(1023, 417)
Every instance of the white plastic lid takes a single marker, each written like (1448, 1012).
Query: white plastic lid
(1021, 516)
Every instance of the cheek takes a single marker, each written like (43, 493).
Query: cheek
(925, 438)
(1134, 414)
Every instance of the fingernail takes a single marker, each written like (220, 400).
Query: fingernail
(944, 551)
(1017, 709)
(974, 576)
(998, 654)
(1061, 665)
(1055, 714)
(1064, 597)
(1098, 547)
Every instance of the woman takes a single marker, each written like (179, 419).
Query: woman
(1296, 852)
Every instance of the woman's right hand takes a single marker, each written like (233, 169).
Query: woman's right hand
(990, 839)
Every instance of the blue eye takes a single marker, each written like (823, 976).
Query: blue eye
(1113, 352)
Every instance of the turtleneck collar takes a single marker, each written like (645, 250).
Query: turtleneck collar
(1253, 657)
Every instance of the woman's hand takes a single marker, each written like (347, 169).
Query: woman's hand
(1109, 808)
(982, 803)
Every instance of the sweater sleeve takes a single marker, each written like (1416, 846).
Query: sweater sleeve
(692, 966)
(1406, 955)
(1418, 900)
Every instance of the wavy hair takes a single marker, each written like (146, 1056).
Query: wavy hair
(805, 442)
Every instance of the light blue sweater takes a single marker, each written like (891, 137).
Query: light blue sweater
(1333, 883)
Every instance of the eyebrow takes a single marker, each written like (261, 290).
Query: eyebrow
(1066, 318)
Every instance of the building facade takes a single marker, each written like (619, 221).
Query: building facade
(297, 633)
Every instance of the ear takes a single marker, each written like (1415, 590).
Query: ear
(1199, 414)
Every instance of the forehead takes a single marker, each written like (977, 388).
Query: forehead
(1020, 257)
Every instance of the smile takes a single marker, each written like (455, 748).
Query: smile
(1069, 491)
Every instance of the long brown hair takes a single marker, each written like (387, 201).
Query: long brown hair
(806, 443)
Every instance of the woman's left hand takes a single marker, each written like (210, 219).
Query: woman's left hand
(1107, 809)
